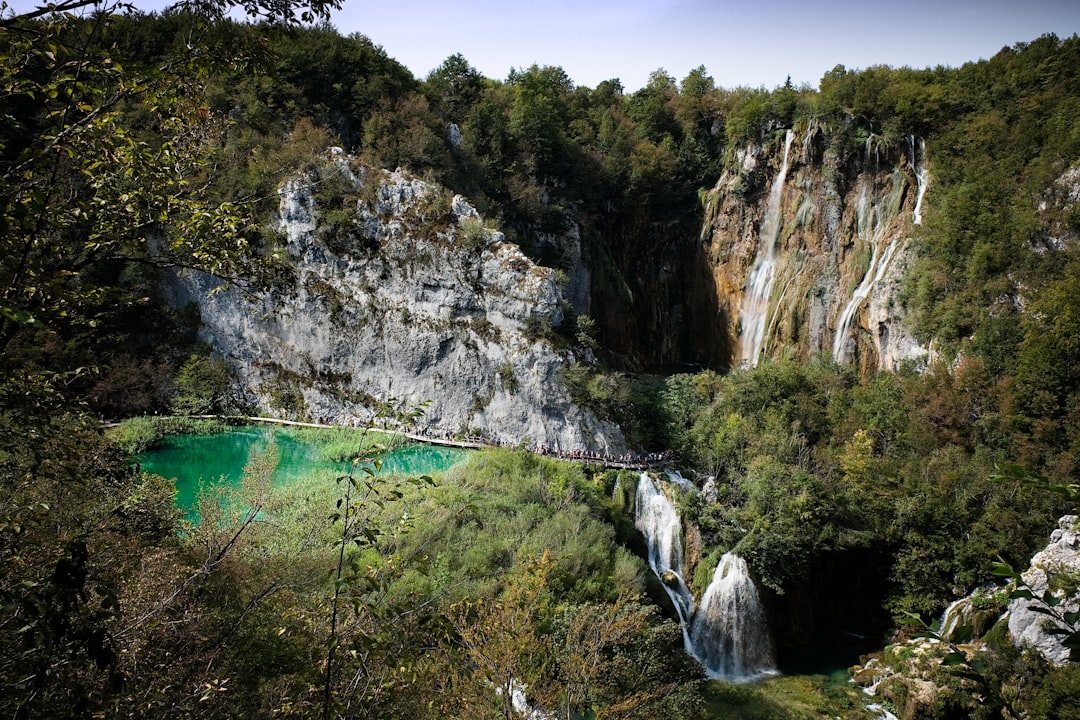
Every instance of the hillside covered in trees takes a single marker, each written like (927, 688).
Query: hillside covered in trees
(134, 145)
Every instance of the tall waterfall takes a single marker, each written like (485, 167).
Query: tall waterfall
(921, 175)
(754, 312)
(874, 210)
(727, 633)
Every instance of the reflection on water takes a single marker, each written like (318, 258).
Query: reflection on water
(220, 459)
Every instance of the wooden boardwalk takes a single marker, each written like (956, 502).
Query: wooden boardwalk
(654, 460)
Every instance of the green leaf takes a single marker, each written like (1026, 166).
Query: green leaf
(1042, 611)
(1051, 599)
(910, 618)
(954, 658)
(962, 634)
(1003, 569)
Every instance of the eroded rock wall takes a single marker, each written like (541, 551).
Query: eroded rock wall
(408, 296)
(844, 225)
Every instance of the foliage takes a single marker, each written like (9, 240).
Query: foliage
(811, 465)
(136, 434)
(136, 143)
(204, 387)
(99, 167)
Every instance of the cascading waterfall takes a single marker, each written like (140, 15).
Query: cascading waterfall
(956, 615)
(755, 305)
(658, 521)
(921, 176)
(727, 633)
(873, 214)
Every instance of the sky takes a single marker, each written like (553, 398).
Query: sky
(740, 42)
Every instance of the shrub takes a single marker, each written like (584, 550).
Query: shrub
(204, 387)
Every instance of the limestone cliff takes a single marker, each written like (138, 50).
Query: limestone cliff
(399, 292)
(808, 240)
(1052, 576)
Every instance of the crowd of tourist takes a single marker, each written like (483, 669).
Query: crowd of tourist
(623, 459)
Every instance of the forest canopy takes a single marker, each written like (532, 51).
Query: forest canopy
(133, 143)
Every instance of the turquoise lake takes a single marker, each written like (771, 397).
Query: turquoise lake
(208, 460)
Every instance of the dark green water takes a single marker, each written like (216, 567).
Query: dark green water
(209, 460)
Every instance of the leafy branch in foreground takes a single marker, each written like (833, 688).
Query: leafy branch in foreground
(356, 511)
(105, 164)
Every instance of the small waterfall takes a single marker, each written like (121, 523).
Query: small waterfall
(882, 712)
(755, 304)
(656, 518)
(873, 212)
(727, 634)
(955, 616)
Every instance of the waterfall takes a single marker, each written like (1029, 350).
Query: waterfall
(955, 616)
(873, 212)
(656, 518)
(882, 712)
(727, 634)
(921, 175)
(755, 304)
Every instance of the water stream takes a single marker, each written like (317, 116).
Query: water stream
(874, 210)
(726, 632)
(918, 166)
(754, 313)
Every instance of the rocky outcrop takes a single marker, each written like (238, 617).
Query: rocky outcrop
(841, 221)
(400, 292)
(940, 676)
(1054, 575)
(916, 678)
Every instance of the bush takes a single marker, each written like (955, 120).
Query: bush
(204, 387)
(135, 435)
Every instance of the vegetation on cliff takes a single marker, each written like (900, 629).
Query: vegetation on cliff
(133, 142)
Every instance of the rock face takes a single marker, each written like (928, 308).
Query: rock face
(400, 292)
(911, 676)
(1055, 569)
(840, 222)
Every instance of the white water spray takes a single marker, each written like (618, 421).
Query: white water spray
(656, 518)
(921, 176)
(754, 312)
(727, 634)
(873, 211)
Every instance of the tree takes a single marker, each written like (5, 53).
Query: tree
(103, 167)
(598, 664)
(538, 115)
(454, 86)
(203, 385)
(652, 108)
(503, 651)
(85, 190)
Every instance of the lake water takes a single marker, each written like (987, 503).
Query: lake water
(194, 460)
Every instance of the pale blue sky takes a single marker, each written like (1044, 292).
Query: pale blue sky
(740, 43)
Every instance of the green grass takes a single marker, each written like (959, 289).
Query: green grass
(796, 697)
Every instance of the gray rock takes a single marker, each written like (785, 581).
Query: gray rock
(1060, 559)
(408, 314)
